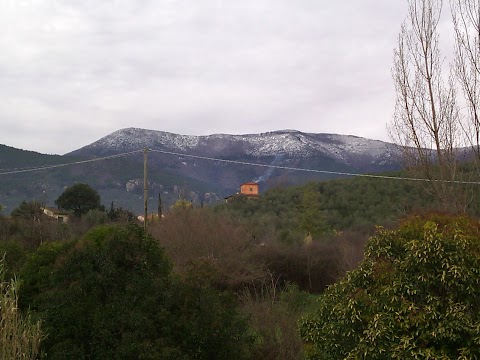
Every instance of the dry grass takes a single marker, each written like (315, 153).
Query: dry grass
(20, 336)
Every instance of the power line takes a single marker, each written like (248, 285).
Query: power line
(48, 167)
(238, 162)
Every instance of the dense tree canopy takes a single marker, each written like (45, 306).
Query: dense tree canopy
(79, 198)
(321, 208)
(415, 296)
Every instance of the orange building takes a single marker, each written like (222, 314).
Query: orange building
(249, 189)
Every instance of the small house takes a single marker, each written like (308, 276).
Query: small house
(61, 216)
(250, 189)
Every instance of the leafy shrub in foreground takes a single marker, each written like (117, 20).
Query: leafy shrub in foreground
(100, 297)
(416, 295)
(111, 295)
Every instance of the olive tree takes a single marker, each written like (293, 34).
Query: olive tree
(79, 198)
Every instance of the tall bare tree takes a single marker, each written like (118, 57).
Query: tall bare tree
(426, 121)
(466, 22)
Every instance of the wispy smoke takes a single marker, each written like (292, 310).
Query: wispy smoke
(270, 170)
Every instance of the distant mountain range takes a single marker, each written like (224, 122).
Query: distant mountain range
(345, 149)
(181, 165)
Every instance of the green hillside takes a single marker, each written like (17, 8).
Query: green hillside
(322, 208)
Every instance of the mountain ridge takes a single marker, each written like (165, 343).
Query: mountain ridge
(292, 143)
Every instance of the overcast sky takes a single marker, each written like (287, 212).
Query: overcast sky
(74, 71)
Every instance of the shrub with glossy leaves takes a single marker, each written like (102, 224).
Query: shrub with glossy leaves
(415, 296)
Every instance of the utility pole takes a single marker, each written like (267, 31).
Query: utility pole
(159, 207)
(145, 190)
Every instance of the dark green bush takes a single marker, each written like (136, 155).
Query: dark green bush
(101, 297)
(208, 320)
(14, 256)
(111, 296)
(415, 296)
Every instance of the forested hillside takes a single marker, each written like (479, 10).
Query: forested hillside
(322, 208)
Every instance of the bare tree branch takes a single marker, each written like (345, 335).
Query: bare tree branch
(427, 118)
(466, 22)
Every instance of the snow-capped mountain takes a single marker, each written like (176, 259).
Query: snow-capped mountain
(360, 153)
(327, 153)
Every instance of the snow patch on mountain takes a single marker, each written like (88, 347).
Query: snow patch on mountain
(134, 139)
(291, 143)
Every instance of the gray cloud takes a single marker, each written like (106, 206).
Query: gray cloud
(73, 71)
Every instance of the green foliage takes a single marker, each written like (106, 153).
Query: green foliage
(207, 320)
(31, 210)
(20, 336)
(95, 217)
(111, 295)
(14, 256)
(37, 271)
(415, 296)
(321, 208)
(274, 313)
(311, 217)
(79, 198)
(182, 205)
(100, 298)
